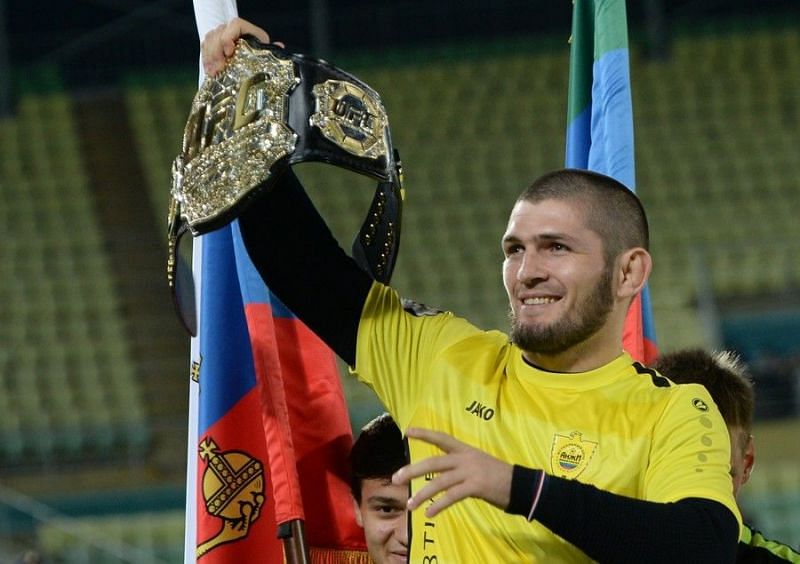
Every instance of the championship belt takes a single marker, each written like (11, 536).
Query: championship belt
(268, 110)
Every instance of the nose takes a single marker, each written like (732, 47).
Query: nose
(402, 530)
(530, 269)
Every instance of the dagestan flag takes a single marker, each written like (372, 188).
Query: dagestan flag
(600, 125)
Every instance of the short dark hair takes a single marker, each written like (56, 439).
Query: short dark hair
(612, 210)
(378, 453)
(723, 374)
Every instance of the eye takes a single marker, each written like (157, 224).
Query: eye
(387, 510)
(513, 249)
(557, 247)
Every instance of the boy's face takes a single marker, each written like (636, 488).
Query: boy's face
(384, 516)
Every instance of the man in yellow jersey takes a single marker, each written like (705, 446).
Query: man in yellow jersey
(380, 505)
(546, 445)
(726, 378)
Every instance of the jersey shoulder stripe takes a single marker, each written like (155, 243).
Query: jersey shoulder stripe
(755, 547)
(659, 381)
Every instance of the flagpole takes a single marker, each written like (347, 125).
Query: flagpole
(295, 548)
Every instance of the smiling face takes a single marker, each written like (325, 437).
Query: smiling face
(559, 286)
(383, 514)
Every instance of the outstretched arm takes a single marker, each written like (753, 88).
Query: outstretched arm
(288, 241)
(606, 526)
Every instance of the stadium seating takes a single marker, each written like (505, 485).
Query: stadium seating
(155, 538)
(66, 376)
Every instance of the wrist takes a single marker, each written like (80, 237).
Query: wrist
(527, 487)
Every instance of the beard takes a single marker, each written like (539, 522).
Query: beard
(573, 328)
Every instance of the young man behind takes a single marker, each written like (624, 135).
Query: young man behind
(380, 505)
(726, 379)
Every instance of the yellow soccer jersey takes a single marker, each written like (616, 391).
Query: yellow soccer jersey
(621, 428)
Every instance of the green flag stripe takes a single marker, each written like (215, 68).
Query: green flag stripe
(598, 26)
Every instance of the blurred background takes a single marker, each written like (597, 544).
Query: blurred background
(93, 99)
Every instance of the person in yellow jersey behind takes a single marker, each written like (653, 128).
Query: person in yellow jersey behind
(549, 444)
(726, 378)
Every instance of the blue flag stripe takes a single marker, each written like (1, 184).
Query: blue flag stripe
(611, 150)
(648, 324)
(600, 138)
(579, 141)
(227, 370)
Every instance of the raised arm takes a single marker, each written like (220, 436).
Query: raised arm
(289, 242)
(302, 263)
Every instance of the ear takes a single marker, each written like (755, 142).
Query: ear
(357, 510)
(749, 459)
(633, 267)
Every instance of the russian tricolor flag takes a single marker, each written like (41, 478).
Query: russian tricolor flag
(600, 125)
(269, 430)
(272, 429)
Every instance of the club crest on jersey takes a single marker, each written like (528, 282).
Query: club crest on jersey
(233, 490)
(570, 455)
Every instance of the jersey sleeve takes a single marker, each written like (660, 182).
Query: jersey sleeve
(755, 547)
(397, 346)
(690, 453)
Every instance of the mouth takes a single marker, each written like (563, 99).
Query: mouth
(540, 300)
(535, 307)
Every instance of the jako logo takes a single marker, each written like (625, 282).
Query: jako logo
(480, 410)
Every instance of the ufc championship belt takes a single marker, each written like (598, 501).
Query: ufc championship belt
(268, 110)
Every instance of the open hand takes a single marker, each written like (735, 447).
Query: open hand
(462, 472)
